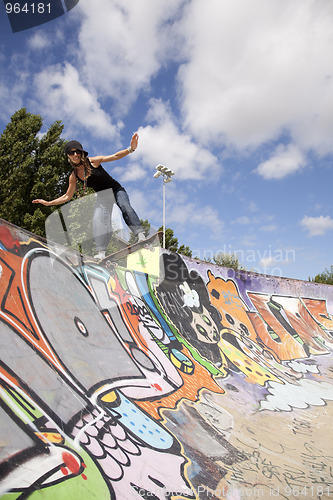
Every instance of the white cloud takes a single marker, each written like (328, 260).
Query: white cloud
(272, 258)
(286, 160)
(13, 88)
(317, 226)
(131, 172)
(249, 70)
(162, 142)
(122, 45)
(140, 202)
(256, 69)
(253, 207)
(270, 228)
(187, 214)
(183, 212)
(249, 240)
(267, 262)
(64, 97)
(39, 41)
(244, 220)
(10, 100)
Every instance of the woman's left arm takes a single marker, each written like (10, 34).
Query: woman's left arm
(97, 160)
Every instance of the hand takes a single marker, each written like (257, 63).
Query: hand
(42, 202)
(134, 141)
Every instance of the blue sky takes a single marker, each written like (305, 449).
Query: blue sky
(235, 96)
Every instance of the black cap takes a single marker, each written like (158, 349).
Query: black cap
(74, 145)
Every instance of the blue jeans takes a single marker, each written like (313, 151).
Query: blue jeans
(102, 225)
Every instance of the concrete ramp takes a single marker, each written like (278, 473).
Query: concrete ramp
(159, 376)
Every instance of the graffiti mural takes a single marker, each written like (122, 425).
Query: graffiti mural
(184, 383)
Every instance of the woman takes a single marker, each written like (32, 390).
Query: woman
(90, 172)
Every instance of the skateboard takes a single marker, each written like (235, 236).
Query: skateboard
(150, 243)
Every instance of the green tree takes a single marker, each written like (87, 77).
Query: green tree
(31, 166)
(227, 260)
(324, 277)
(146, 226)
(146, 229)
(171, 243)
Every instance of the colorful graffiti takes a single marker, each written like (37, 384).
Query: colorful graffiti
(185, 383)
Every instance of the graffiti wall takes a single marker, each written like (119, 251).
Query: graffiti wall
(190, 381)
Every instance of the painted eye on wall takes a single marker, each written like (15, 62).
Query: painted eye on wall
(206, 319)
(230, 319)
(216, 336)
(244, 329)
(201, 330)
(81, 327)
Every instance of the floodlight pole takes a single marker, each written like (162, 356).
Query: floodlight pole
(166, 174)
(163, 211)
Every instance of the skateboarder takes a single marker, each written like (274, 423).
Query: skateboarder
(90, 172)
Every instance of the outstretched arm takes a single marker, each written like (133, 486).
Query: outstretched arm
(97, 160)
(62, 199)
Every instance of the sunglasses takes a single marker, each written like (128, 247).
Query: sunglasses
(75, 151)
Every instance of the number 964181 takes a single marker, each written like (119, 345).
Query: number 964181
(28, 8)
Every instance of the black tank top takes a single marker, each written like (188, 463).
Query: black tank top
(99, 180)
